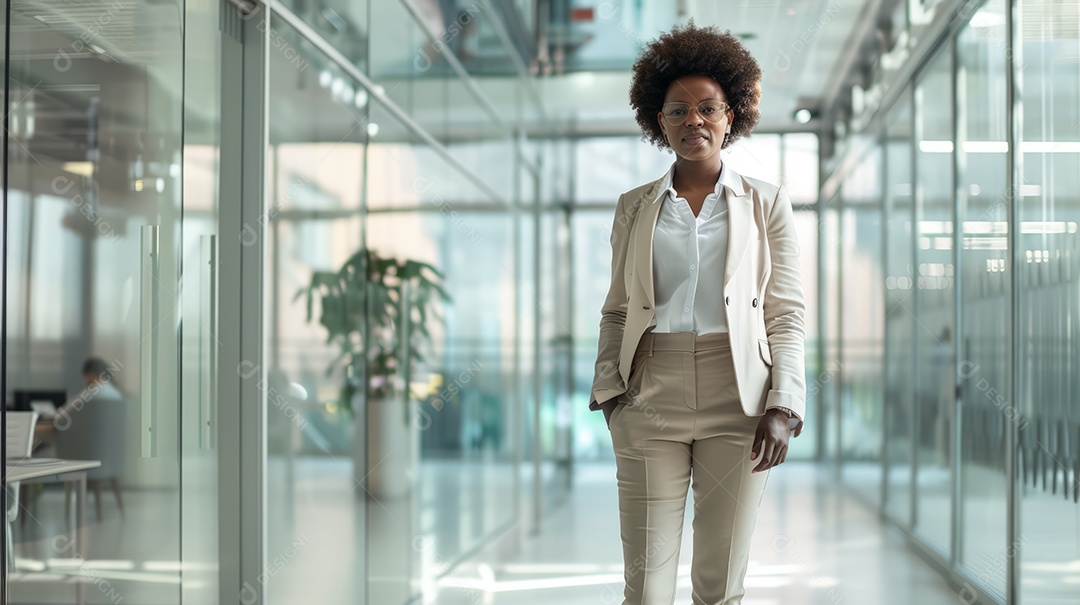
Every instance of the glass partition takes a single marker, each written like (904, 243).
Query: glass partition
(111, 303)
(982, 350)
(1047, 415)
(316, 465)
(808, 229)
(825, 389)
(935, 299)
(900, 322)
(860, 374)
(951, 355)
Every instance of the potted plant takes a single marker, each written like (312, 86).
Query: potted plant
(378, 312)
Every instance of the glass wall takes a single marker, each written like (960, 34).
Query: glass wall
(412, 254)
(983, 351)
(900, 321)
(1046, 414)
(313, 225)
(825, 389)
(110, 244)
(935, 299)
(860, 372)
(980, 309)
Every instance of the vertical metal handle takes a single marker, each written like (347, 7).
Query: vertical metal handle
(207, 339)
(148, 339)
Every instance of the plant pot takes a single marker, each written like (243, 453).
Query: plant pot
(392, 447)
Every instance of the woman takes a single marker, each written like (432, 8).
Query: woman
(700, 370)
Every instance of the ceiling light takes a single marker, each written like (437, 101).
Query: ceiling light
(803, 115)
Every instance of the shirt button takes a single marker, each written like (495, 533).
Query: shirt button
(693, 266)
(686, 309)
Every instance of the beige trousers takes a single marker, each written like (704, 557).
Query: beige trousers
(681, 424)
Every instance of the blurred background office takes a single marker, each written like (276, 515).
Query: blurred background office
(334, 270)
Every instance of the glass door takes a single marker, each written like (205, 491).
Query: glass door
(111, 255)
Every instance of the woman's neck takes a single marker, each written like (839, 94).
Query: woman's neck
(696, 175)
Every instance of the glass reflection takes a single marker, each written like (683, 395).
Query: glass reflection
(1047, 416)
(935, 298)
(983, 347)
(899, 313)
(862, 323)
(315, 495)
(97, 243)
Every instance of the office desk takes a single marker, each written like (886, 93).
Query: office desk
(55, 470)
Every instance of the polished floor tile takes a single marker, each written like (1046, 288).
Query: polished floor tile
(813, 545)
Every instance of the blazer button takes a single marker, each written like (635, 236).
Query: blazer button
(754, 304)
(646, 307)
(727, 300)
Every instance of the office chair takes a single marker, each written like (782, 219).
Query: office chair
(98, 431)
(20, 441)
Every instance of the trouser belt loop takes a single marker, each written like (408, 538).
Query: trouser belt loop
(652, 343)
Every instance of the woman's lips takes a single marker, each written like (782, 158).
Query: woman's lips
(695, 140)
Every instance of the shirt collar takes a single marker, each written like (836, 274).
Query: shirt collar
(728, 178)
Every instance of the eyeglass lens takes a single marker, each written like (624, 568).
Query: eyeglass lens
(710, 111)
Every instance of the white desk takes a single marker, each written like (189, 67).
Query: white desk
(55, 470)
(34, 468)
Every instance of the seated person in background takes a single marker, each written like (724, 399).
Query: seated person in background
(99, 384)
(92, 426)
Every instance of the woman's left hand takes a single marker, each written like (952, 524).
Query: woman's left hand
(771, 440)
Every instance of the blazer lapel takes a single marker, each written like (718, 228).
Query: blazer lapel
(740, 216)
(644, 227)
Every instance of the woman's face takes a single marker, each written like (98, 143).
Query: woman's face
(702, 106)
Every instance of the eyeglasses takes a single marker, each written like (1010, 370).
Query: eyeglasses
(710, 111)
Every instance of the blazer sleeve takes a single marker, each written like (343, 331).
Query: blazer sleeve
(607, 382)
(785, 310)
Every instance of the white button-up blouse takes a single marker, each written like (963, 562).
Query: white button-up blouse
(689, 254)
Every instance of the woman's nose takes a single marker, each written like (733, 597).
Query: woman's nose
(694, 117)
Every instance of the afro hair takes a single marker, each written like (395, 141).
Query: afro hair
(691, 50)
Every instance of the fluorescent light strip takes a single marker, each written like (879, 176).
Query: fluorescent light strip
(931, 146)
(935, 146)
(985, 147)
(1050, 147)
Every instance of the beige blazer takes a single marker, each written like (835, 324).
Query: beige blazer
(763, 295)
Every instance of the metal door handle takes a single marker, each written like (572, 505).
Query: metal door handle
(148, 339)
(207, 339)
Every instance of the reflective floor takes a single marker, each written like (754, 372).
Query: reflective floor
(813, 545)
